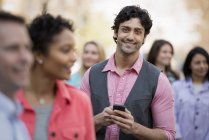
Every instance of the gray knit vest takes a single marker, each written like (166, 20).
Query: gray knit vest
(138, 101)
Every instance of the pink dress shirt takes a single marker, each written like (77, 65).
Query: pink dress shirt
(119, 87)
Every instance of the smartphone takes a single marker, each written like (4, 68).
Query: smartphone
(119, 107)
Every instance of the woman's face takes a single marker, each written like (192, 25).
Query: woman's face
(199, 66)
(165, 55)
(61, 56)
(90, 55)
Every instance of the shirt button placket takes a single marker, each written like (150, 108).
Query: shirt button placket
(196, 113)
(119, 90)
(53, 134)
(196, 127)
(76, 135)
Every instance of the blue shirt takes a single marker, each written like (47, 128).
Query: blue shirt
(11, 128)
(75, 79)
(191, 110)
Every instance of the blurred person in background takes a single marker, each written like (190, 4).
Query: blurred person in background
(160, 55)
(191, 97)
(53, 109)
(92, 53)
(15, 62)
(129, 80)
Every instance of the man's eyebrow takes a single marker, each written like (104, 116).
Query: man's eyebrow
(138, 28)
(125, 26)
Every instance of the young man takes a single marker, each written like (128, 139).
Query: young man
(16, 60)
(129, 80)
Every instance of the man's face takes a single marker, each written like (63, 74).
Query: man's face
(15, 55)
(130, 36)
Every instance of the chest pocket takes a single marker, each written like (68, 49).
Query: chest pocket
(74, 133)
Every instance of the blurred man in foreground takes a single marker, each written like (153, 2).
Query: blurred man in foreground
(16, 60)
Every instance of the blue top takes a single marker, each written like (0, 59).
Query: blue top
(191, 110)
(75, 79)
(171, 77)
(11, 127)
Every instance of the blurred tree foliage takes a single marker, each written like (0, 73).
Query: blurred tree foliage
(203, 27)
(88, 24)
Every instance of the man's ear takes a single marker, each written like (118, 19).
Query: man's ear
(115, 37)
(144, 39)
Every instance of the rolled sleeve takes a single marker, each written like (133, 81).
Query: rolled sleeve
(163, 108)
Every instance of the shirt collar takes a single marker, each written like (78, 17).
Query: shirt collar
(63, 92)
(190, 84)
(110, 66)
(9, 107)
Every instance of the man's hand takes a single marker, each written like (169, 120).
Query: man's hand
(103, 118)
(124, 120)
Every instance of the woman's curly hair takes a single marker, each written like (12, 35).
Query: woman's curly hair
(43, 29)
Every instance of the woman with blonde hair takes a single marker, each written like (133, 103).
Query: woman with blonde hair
(92, 53)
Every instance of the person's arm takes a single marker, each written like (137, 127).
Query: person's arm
(126, 123)
(85, 87)
(163, 108)
(145, 133)
(103, 118)
(163, 116)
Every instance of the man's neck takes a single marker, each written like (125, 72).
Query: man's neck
(124, 62)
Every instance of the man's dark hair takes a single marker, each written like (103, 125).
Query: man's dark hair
(186, 68)
(133, 11)
(43, 29)
(5, 16)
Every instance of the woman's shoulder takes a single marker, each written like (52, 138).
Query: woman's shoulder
(179, 83)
